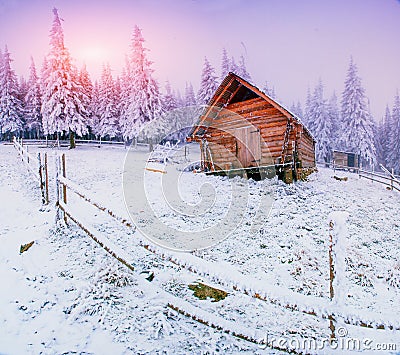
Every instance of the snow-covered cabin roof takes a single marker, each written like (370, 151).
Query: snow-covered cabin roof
(222, 97)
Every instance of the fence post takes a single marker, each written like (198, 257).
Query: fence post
(57, 189)
(27, 154)
(46, 174)
(64, 187)
(41, 182)
(331, 276)
(391, 179)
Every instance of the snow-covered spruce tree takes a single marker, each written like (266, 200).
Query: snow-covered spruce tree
(173, 116)
(94, 105)
(384, 136)
(33, 103)
(333, 112)
(394, 154)
(62, 106)
(307, 107)
(296, 109)
(125, 92)
(233, 67)
(242, 70)
(189, 112)
(190, 97)
(87, 90)
(320, 124)
(208, 83)
(379, 143)
(108, 111)
(10, 104)
(169, 99)
(357, 124)
(225, 64)
(145, 100)
(268, 90)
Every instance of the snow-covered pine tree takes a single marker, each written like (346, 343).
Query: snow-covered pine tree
(33, 103)
(225, 64)
(190, 111)
(333, 112)
(296, 109)
(357, 130)
(10, 104)
(173, 116)
(145, 100)
(233, 67)
(108, 112)
(307, 107)
(125, 92)
(94, 108)
(379, 143)
(394, 154)
(87, 92)
(190, 97)
(169, 99)
(62, 106)
(320, 124)
(242, 70)
(180, 101)
(118, 95)
(270, 91)
(22, 88)
(208, 83)
(384, 136)
(22, 91)
(44, 71)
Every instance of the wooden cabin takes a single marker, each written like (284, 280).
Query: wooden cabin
(245, 132)
(346, 159)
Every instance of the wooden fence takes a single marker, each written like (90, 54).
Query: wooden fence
(318, 308)
(38, 169)
(387, 178)
(63, 184)
(37, 166)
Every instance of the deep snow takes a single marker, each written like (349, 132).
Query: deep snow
(63, 298)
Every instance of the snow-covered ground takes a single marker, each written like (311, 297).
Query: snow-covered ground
(65, 294)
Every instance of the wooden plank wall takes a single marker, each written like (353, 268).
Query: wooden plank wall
(306, 149)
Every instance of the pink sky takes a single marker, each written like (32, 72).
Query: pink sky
(289, 43)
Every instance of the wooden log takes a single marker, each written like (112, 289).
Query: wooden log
(250, 102)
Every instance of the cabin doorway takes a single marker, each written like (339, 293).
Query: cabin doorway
(350, 160)
(248, 146)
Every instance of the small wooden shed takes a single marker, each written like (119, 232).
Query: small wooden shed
(243, 131)
(346, 159)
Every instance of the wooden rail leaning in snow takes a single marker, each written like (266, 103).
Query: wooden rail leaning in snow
(36, 166)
